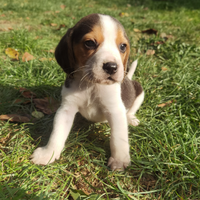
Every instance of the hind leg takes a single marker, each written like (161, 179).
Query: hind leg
(132, 119)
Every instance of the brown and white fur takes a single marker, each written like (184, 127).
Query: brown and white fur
(94, 54)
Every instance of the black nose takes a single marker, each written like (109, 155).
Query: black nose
(110, 67)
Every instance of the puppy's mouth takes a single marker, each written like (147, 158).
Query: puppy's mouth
(107, 80)
(101, 78)
(111, 79)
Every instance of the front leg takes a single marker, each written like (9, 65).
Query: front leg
(62, 124)
(119, 144)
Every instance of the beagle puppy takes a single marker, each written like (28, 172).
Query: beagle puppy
(94, 54)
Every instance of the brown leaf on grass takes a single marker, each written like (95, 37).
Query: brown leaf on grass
(46, 59)
(160, 42)
(166, 103)
(12, 53)
(6, 28)
(136, 30)
(150, 52)
(3, 15)
(14, 118)
(21, 101)
(48, 105)
(61, 26)
(164, 69)
(27, 93)
(150, 31)
(51, 51)
(37, 37)
(53, 24)
(63, 6)
(27, 57)
(57, 11)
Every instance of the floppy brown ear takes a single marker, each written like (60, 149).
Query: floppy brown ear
(64, 53)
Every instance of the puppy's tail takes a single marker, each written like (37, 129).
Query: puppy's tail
(132, 69)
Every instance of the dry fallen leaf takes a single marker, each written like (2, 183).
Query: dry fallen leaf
(136, 30)
(160, 42)
(21, 101)
(61, 26)
(53, 24)
(51, 51)
(63, 6)
(46, 59)
(150, 52)
(14, 118)
(12, 53)
(37, 37)
(166, 103)
(150, 31)
(48, 105)
(6, 28)
(164, 69)
(27, 57)
(27, 93)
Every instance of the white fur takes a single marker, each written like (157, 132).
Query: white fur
(131, 112)
(96, 102)
(108, 52)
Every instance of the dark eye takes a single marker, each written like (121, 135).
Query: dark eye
(122, 47)
(90, 44)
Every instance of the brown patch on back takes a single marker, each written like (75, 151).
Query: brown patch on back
(122, 38)
(82, 54)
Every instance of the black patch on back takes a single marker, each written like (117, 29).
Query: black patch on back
(138, 88)
(129, 92)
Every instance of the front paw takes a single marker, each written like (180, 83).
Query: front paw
(44, 156)
(118, 165)
(133, 121)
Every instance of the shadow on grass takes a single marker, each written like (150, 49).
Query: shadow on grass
(153, 4)
(82, 132)
(7, 192)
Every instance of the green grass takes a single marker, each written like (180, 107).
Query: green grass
(165, 147)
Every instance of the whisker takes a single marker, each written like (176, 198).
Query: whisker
(79, 69)
(82, 79)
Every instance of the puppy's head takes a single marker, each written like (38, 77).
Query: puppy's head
(98, 47)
